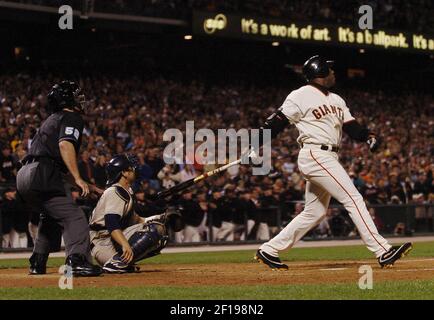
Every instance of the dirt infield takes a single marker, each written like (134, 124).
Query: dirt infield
(231, 274)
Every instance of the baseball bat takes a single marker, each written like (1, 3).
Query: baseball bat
(188, 183)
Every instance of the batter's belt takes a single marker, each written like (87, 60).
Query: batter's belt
(326, 147)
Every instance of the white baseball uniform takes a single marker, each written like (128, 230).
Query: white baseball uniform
(319, 116)
(115, 200)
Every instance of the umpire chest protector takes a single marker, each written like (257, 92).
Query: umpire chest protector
(43, 168)
(60, 126)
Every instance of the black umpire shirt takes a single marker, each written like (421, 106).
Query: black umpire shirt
(62, 125)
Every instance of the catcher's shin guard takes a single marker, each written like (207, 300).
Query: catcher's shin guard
(148, 242)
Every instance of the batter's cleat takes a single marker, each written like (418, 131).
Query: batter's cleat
(116, 265)
(387, 259)
(273, 262)
(79, 266)
(38, 264)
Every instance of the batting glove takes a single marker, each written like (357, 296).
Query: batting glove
(251, 155)
(373, 143)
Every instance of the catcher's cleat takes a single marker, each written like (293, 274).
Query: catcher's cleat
(81, 267)
(109, 268)
(38, 264)
(387, 259)
(273, 262)
(116, 265)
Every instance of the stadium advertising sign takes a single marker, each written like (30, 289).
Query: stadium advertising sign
(249, 27)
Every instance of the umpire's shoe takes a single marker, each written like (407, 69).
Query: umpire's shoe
(387, 259)
(38, 264)
(273, 262)
(79, 266)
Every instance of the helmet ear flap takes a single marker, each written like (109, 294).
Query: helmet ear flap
(112, 181)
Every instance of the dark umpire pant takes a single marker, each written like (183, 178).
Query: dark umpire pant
(41, 185)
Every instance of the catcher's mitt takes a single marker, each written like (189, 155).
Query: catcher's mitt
(173, 218)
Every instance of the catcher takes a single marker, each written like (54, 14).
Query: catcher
(119, 236)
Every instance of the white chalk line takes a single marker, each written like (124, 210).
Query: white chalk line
(415, 260)
(415, 270)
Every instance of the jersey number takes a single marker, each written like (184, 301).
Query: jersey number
(71, 130)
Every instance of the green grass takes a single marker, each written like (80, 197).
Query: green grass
(423, 289)
(394, 290)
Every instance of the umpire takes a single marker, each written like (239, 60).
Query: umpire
(43, 179)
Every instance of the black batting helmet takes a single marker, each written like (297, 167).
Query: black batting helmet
(66, 94)
(118, 164)
(316, 67)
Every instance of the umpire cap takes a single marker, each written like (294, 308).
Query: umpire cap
(66, 94)
(118, 164)
(316, 67)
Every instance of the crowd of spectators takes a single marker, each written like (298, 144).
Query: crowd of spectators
(398, 14)
(131, 115)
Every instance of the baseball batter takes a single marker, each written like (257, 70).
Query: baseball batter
(320, 117)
